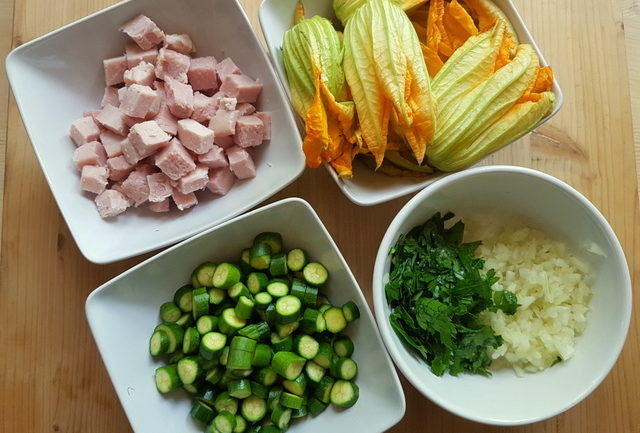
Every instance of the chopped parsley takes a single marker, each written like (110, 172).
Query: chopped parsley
(436, 291)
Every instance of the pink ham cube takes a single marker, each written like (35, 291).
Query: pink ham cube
(159, 187)
(202, 73)
(224, 141)
(130, 153)
(181, 43)
(204, 107)
(112, 143)
(179, 98)
(172, 64)
(110, 97)
(228, 104)
(143, 73)
(118, 187)
(84, 130)
(249, 131)
(91, 153)
(221, 180)
(161, 206)
(119, 168)
(136, 55)
(240, 163)
(92, 114)
(130, 121)
(94, 179)
(215, 158)
(137, 100)
(111, 203)
(143, 31)
(265, 116)
(114, 70)
(245, 109)
(226, 68)
(147, 137)
(195, 180)
(224, 122)
(241, 87)
(184, 201)
(113, 119)
(167, 121)
(136, 187)
(174, 160)
(195, 136)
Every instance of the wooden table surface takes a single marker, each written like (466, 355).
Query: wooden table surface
(51, 375)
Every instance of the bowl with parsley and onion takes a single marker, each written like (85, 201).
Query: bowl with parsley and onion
(502, 294)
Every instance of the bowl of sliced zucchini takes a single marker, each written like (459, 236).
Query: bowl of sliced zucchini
(256, 325)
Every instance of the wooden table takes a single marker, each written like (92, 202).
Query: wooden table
(51, 375)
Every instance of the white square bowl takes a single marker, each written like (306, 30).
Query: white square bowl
(367, 188)
(57, 77)
(123, 312)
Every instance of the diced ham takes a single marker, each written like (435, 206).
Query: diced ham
(249, 131)
(114, 70)
(202, 73)
(143, 31)
(204, 107)
(224, 141)
(161, 206)
(245, 109)
(154, 108)
(172, 64)
(227, 103)
(147, 137)
(184, 201)
(111, 203)
(143, 73)
(91, 153)
(179, 98)
(241, 87)
(112, 143)
(159, 187)
(241, 163)
(224, 122)
(92, 114)
(220, 180)
(84, 130)
(110, 97)
(215, 158)
(226, 68)
(119, 168)
(265, 116)
(181, 43)
(138, 100)
(136, 187)
(94, 179)
(130, 121)
(195, 136)
(130, 153)
(195, 180)
(167, 121)
(113, 119)
(136, 55)
(174, 160)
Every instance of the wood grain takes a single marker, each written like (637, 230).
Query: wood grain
(631, 21)
(52, 377)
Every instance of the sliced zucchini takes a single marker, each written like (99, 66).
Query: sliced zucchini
(191, 340)
(170, 312)
(315, 273)
(297, 259)
(281, 344)
(256, 331)
(262, 356)
(230, 323)
(217, 296)
(296, 386)
(281, 416)
(202, 412)
(244, 308)
(314, 372)
(351, 311)
(344, 393)
(200, 302)
(315, 406)
(239, 389)
(266, 376)
(278, 265)
(206, 324)
(324, 358)
(273, 239)
(306, 346)
(287, 364)
(226, 275)
(175, 333)
(288, 309)
(204, 274)
(212, 344)
(257, 282)
(225, 403)
(336, 322)
(183, 298)
(214, 375)
(260, 256)
(344, 368)
(278, 287)
(158, 343)
(253, 408)
(237, 290)
(343, 346)
(323, 389)
(225, 422)
(167, 378)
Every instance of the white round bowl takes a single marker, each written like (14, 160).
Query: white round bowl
(551, 206)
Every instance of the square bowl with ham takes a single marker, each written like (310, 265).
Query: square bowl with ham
(154, 120)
